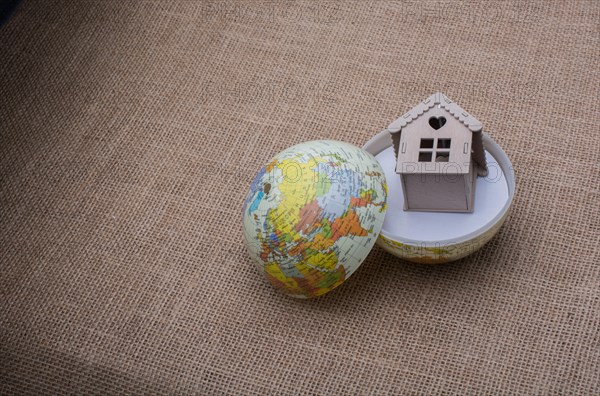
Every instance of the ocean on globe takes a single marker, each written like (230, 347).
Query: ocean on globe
(313, 214)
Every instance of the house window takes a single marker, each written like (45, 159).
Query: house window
(441, 156)
(444, 143)
(425, 156)
(436, 150)
(426, 143)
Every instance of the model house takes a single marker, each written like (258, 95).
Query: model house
(439, 154)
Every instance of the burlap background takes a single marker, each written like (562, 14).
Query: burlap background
(129, 133)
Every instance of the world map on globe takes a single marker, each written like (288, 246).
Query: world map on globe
(313, 214)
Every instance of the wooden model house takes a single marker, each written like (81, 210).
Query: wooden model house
(439, 154)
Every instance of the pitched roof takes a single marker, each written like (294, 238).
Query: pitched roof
(445, 103)
(455, 110)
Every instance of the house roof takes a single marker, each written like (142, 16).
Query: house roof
(444, 102)
(478, 153)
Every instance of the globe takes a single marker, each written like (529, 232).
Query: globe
(313, 214)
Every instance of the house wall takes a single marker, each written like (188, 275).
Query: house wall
(410, 142)
(429, 192)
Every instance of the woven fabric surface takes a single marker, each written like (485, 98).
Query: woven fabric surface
(130, 132)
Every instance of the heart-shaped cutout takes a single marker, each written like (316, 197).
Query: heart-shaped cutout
(437, 122)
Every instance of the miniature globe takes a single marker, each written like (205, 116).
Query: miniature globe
(313, 214)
